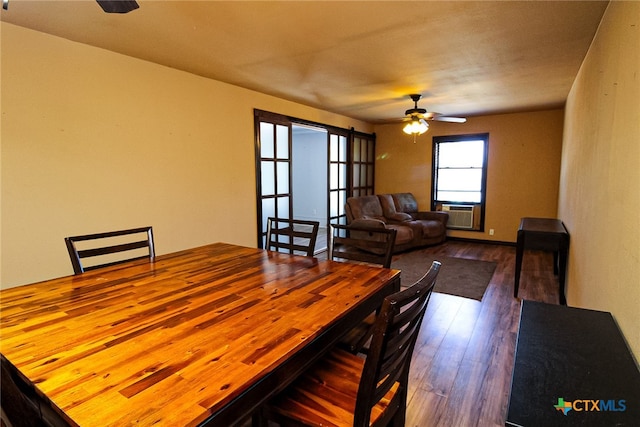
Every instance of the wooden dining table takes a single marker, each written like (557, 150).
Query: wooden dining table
(198, 337)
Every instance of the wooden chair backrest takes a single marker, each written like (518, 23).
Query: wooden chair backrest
(394, 337)
(367, 245)
(118, 248)
(291, 235)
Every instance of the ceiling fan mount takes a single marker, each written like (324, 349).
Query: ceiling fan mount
(415, 109)
(421, 113)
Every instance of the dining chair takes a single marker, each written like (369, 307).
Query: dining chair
(360, 244)
(343, 389)
(114, 247)
(292, 235)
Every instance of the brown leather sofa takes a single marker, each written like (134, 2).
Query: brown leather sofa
(398, 211)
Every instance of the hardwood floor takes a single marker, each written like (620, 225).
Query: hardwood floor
(461, 367)
(462, 363)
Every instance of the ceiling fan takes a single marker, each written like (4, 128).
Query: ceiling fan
(109, 6)
(418, 117)
(423, 114)
(118, 6)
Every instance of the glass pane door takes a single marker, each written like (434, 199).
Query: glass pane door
(364, 151)
(351, 166)
(338, 178)
(273, 151)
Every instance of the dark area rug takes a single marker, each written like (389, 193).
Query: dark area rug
(462, 277)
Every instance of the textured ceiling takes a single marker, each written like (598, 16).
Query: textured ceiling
(357, 58)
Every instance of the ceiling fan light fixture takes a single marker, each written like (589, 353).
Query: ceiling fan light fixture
(418, 124)
(416, 127)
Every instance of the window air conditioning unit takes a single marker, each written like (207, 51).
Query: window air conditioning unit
(460, 216)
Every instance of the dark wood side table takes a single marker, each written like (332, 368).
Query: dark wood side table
(548, 235)
(572, 368)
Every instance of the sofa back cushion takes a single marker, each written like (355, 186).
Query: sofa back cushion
(364, 207)
(405, 202)
(387, 204)
(389, 209)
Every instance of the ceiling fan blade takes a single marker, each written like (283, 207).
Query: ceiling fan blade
(118, 6)
(449, 119)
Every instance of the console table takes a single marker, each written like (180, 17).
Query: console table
(543, 234)
(572, 367)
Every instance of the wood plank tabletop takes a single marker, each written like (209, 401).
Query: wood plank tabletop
(195, 337)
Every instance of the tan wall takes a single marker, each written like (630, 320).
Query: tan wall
(522, 173)
(600, 178)
(93, 141)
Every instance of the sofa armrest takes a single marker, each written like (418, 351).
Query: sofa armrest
(368, 223)
(440, 216)
(400, 217)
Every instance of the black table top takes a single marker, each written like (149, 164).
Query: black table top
(542, 225)
(574, 359)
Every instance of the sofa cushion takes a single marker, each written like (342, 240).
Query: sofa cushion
(389, 209)
(431, 228)
(365, 207)
(368, 223)
(400, 217)
(404, 234)
(387, 204)
(405, 202)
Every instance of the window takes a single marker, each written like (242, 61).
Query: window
(459, 179)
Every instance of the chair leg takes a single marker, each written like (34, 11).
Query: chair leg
(399, 418)
(258, 420)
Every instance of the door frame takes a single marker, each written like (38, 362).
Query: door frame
(350, 137)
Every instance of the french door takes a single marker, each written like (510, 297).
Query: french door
(350, 168)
